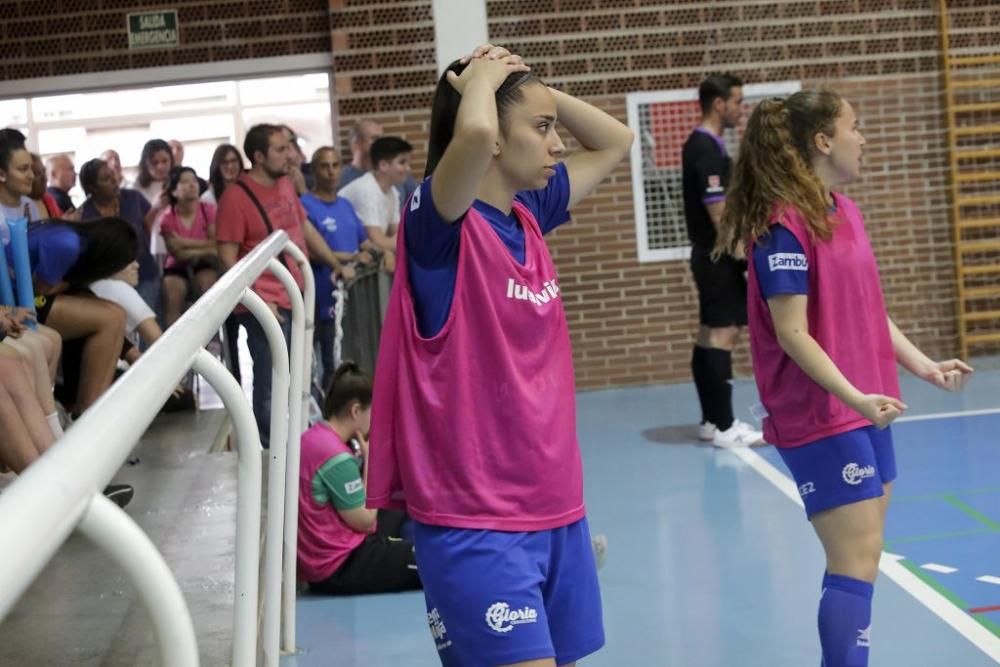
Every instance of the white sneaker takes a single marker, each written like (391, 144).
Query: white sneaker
(739, 434)
(756, 437)
(599, 543)
(706, 431)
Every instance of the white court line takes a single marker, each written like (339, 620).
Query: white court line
(889, 565)
(989, 579)
(943, 569)
(947, 415)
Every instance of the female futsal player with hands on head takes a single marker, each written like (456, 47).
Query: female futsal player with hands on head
(824, 350)
(474, 413)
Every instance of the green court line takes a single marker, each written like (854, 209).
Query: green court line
(938, 536)
(950, 596)
(978, 516)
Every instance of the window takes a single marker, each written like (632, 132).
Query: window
(662, 122)
(199, 115)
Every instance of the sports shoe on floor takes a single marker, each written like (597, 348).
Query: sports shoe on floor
(599, 543)
(706, 431)
(739, 434)
(753, 431)
(119, 494)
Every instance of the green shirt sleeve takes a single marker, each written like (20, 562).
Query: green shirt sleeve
(338, 483)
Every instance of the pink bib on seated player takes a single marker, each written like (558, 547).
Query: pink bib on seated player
(324, 538)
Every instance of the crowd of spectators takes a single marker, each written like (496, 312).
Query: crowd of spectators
(110, 272)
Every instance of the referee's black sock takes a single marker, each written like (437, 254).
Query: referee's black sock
(702, 383)
(719, 371)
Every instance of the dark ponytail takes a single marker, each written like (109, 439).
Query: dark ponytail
(349, 385)
(444, 109)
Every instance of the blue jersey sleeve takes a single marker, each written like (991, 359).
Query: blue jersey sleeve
(432, 259)
(550, 204)
(431, 241)
(780, 263)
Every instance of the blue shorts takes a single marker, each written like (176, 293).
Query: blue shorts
(495, 598)
(842, 469)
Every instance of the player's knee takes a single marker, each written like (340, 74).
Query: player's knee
(873, 549)
(114, 317)
(859, 558)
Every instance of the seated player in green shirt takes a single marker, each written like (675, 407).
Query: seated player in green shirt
(342, 548)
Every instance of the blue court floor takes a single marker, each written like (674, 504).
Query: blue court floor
(710, 565)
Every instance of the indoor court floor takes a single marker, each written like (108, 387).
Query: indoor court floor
(711, 562)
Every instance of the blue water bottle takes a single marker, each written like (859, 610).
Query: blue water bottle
(22, 265)
(6, 287)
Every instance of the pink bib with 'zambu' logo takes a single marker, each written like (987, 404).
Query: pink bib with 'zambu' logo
(847, 317)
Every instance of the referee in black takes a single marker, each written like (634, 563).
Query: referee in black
(721, 284)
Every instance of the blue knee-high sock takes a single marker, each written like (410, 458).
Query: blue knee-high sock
(845, 614)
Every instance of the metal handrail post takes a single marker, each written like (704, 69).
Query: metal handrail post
(248, 479)
(298, 416)
(276, 470)
(309, 302)
(59, 487)
(115, 533)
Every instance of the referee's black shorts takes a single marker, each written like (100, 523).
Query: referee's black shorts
(722, 289)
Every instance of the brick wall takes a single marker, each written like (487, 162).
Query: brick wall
(631, 323)
(385, 68)
(634, 323)
(41, 38)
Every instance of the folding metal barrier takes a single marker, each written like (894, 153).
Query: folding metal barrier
(63, 487)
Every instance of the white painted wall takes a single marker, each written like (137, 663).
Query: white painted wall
(459, 27)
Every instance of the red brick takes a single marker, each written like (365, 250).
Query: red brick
(630, 323)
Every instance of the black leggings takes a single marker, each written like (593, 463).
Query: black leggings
(383, 563)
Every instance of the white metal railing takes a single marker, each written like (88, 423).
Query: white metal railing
(63, 487)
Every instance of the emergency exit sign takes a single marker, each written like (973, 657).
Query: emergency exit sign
(152, 29)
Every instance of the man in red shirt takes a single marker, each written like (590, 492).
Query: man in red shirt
(261, 201)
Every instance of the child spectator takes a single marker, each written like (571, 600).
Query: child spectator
(189, 231)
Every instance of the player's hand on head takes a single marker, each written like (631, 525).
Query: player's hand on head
(488, 51)
(493, 70)
(879, 410)
(949, 375)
